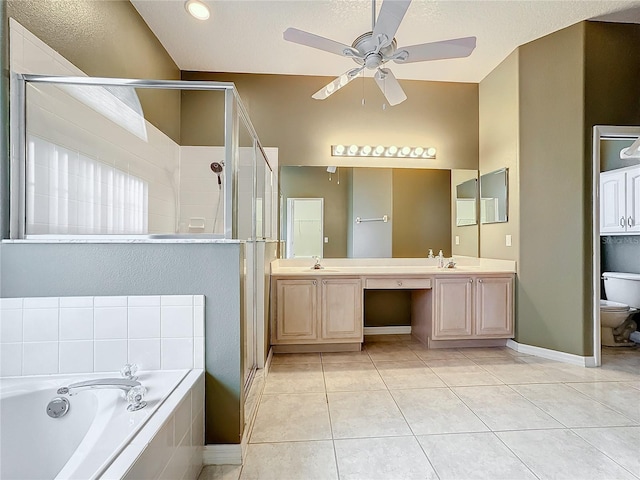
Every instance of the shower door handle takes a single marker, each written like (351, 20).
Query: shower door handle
(630, 221)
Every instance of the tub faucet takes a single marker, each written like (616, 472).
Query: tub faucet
(133, 389)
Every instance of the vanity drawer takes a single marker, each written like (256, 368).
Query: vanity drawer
(397, 283)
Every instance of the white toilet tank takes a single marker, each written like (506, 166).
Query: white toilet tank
(622, 288)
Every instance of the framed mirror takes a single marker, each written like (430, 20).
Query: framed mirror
(494, 196)
(466, 203)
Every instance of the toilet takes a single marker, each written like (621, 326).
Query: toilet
(616, 313)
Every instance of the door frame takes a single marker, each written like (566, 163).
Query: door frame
(600, 132)
(289, 224)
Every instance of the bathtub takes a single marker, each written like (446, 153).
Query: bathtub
(98, 437)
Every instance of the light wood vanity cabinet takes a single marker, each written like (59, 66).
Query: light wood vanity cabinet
(473, 307)
(298, 320)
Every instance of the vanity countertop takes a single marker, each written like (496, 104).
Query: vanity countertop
(389, 266)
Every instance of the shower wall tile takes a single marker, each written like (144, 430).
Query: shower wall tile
(40, 336)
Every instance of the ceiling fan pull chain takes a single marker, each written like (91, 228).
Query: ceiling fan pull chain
(373, 15)
(363, 87)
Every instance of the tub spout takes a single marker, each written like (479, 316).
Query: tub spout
(134, 391)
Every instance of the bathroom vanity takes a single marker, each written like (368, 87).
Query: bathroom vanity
(322, 310)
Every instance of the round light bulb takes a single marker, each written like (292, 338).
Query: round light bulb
(379, 150)
(431, 152)
(339, 149)
(353, 149)
(366, 150)
(197, 9)
(392, 151)
(405, 151)
(417, 152)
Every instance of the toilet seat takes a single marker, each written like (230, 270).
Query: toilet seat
(609, 306)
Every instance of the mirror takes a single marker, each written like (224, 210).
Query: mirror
(493, 197)
(466, 203)
(304, 227)
(419, 205)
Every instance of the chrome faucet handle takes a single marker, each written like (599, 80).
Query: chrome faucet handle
(135, 397)
(129, 371)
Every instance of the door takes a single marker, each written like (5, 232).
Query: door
(494, 306)
(342, 309)
(453, 308)
(305, 219)
(296, 311)
(612, 202)
(633, 200)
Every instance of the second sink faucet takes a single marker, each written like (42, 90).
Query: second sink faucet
(317, 265)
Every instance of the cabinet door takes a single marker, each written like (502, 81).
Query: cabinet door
(633, 200)
(494, 306)
(296, 307)
(342, 309)
(612, 202)
(453, 308)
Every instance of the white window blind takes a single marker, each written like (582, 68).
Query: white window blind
(69, 192)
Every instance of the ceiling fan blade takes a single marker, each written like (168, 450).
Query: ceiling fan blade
(391, 15)
(337, 84)
(456, 48)
(390, 87)
(315, 41)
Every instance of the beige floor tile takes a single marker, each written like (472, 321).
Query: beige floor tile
(290, 461)
(439, 354)
(473, 456)
(365, 414)
(436, 410)
(396, 458)
(635, 385)
(220, 472)
(408, 374)
(344, 357)
(561, 454)
(570, 407)
(292, 417)
(352, 377)
(294, 378)
(462, 373)
(514, 370)
(297, 358)
(618, 443)
(501, 408)
(615, 395)
(389, 352)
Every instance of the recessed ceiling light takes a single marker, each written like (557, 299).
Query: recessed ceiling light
(197, 9)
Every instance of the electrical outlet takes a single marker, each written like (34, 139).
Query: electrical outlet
(457, 239)
(326, 239)
(507, 240)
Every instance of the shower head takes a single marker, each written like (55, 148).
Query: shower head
(217, 167)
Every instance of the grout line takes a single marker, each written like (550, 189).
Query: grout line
(333, 439)
(515, 454)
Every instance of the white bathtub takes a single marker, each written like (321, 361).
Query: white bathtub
(88, 441)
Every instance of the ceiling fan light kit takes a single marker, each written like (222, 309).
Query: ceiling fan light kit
(382, 151)
(372, 50)
(197, 9)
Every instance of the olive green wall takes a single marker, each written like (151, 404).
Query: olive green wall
(499, 129)
(551, 307)
(107, 39)
(439, 114)
(421, 212)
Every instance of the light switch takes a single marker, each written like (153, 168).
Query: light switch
(457, 239)
(508, 240)
(326, 239)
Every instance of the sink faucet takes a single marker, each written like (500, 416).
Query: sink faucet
(133, 389)
(450, 264)
(317, 265)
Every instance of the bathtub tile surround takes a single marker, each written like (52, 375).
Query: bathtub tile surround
(51, 335)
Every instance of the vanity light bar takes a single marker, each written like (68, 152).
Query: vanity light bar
(381, 151)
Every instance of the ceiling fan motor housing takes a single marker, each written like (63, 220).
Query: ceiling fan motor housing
(367, 46)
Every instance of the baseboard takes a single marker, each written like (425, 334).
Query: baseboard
(399, 330)
(222, 454)
(267, 363)
(552, 354)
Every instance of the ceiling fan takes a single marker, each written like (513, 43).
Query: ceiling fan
(372, 50)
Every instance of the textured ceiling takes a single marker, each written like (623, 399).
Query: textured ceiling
(245, 36)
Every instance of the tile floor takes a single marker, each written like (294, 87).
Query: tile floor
(399, 411)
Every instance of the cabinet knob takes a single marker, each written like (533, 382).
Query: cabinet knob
(480, 280)
(399, 283)
(630, 221)
(315, 283)
(622, 221)
(471, 280)
(324, 282)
